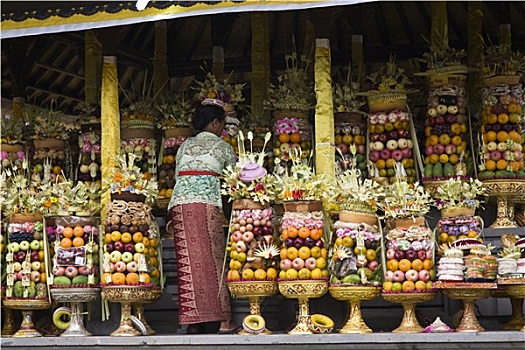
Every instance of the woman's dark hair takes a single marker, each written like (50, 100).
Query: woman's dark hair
(204, 115)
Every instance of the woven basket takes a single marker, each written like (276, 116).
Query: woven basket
(358, 218)
(435, 81)
(25, 218)
(303, 206)
(176, 132)
(399, 223)
(137, 133)
(387, 102)
(457, 211)
(502, 79)
(288, 113)
(128, 197)
(11, 148)
(50, 143)
(241, 204)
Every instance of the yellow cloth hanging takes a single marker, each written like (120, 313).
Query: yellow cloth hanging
(324, 110)
(110, 119)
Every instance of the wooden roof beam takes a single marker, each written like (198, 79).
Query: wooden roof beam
(404, 21)
(53, 93)
(382, 25)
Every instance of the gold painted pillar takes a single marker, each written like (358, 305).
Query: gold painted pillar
(439, 29)
(324, 110)
(160, 60)
(474, 52)
(93, 64)
(110, 119)
(260, 61)
(358, 59)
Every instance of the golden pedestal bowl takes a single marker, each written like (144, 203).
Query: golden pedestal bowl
(125, 295)
(355, 295)
(516, 321)
(409, 323)
(75, 297)
(507, 192)
(254, 291)
(468, 293)
(27, 306)
(9, 326)
(302, 290)
(138, 309)
(517, 291)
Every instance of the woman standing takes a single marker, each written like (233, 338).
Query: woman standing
(196, 218)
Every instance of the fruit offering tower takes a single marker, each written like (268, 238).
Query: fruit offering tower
(74, 244)
(26, 261)
(391, 140)
(350, 129)
(89, 142)
(12, 150)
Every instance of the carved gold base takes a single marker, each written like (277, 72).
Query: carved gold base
(76, 297)
(354, 295)
(27, 329)
(125, 328)
(516, 319)
(409, 323)
(469, 322)
(506, 192)
(27, 306)
(9, 326)
(303, 290)
(517, 291)
(138, 311)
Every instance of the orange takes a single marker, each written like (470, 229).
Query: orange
(169, 159)
(512, 107)
(359, 140)
(304, 232)
(433, 140)
(408, 286)
(490, 165)
(295, 137)
(147, 279)
(501, 164)
(118, 278)
(463, 127)
(456, 140)
(434, 158)
(405, 265)
(233, 275)
(324, 253)
(41, 255)
(147, 176)
(145, 241)
(515, 166)
(428, 131)
(78, 231)
(68, 232)
(78, 242)
(169, 192)
(443, 158)
(57, 170)
(502, 136)
(283, 253)
(490, 136)
(132, 278)
(284, 137)
(420, 285)
(105, 277)
(66, 243)
(427, 264)
(271, 273)
(503, 118)
(153, 261)
(514, 136)
(417, 265)
(115, 236)
(284, 234)
(162, 193)
(492, 118)
(304, 253)
(126, 237)
(316, 233)
(137, 237)
(43, 277)
(155, 273)
(292, 253)
(521, 164)
(380, 164)
(453, 159)
(292, 232)
(444, 139)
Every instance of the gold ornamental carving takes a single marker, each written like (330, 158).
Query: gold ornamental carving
(354, 295)
(409, 323)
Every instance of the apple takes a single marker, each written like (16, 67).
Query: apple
(397, 287)
(132, 266)
(432, 113)
(247, 236)
(59, 271)
(309, 242)
(267, 229)
(383, 138)
(389, 276)
(421, 254)
(391, 145)
(319, 243)
(378, 146)
(398, 154)
(35, 265)
(429, 253)
(502, 147)
(140, 247)
(298, 263)
(407, 153)
(129, 247)
(298, 242)
(399, 276)
(20, 256)
(34, 245)
(120, 266)
(35, 276)
(13, 247)
(109, 247)
(84, 270)
(439, 149)
(372, 265)
(373, 156)
(258, 230)
(412, 275)
(35, 256)
(342, 148)
(424, 275)
(17, 267)
(310, 263)
(115, 256)
(24, 245)
(119, 246)
(286, 264)
(127, 257)
(399, 254)
(410, 254)
(390, 254)
(441, 109)
(240, 246)
(71, 271)
(384, 154)
(288, 242)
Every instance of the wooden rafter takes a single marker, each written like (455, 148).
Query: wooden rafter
(404, 21)
(382, 25)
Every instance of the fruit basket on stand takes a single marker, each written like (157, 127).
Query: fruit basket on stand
(409, 251)
(355, 262)
(253, 267)
(74, 247)
(501, 143)
(131, 261)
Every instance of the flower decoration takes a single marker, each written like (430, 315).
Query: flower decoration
(176, 111)
(62, 198)
(248, 179)
(389, 78)
(351, 192)
(300, 182)
(345, 98)
(127, 177)
(500, 60)
(404, 200)
(50, 124)
(440, 57)
(294, 89)
(456, 192)
(226, 92)
(12, 129)
(17, 195)
(88, 112)
(287, 126)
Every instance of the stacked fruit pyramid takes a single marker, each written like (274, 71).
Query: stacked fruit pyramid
(303, 255)
(409, 242)
(501, 132)
(48, 162)
(145, 151)
(447, 134)
(11, 156)
(351, 130)
(89, 157)
(170, 146)
(26, 264)
(74, 252)
(291, 134)
(253, 255)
